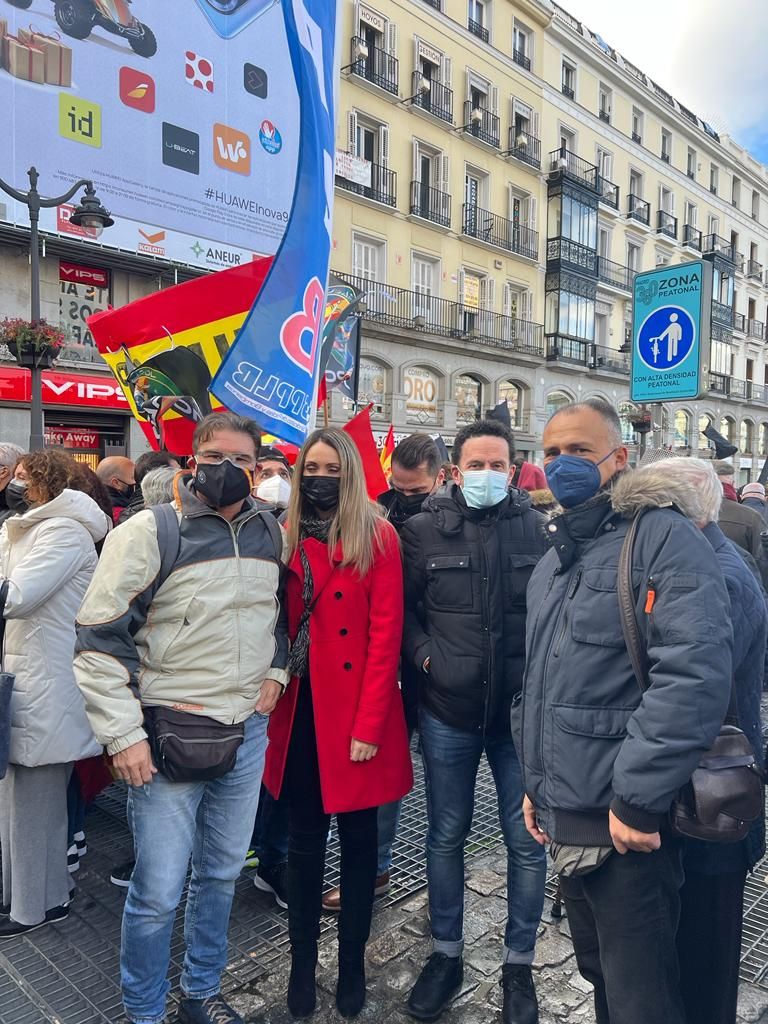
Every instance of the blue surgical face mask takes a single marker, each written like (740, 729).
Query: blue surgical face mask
(484, 488)
(574, 480)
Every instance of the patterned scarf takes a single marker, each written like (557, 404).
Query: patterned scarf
(298, 660)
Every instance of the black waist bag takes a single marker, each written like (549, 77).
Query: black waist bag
(191, 748)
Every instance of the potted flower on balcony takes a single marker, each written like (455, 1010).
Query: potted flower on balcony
(33, 343)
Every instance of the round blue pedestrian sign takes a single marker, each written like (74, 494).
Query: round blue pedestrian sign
(666, 338)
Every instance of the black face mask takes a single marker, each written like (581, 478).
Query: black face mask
(128, 491)
(222, 485)
(402, 507)
(321, 491)
(16, 497)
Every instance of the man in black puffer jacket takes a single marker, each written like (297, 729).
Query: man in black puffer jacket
(468, 558)
(601, 761)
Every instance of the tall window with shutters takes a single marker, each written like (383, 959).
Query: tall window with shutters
(369, 264)
(425, 284)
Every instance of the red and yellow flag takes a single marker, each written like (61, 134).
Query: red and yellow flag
(386, 453)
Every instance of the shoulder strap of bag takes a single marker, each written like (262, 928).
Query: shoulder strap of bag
(629, 626)
(168, 538)
(275, 533)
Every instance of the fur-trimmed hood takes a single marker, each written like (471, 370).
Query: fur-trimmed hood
(639, 489)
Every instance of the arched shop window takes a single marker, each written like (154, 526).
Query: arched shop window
(372, 386)
(557, 400)
(682, 433)
(468, 396)
(512, 394)
(728, 428)
(422, 388)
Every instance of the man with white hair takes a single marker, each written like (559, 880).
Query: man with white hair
(9, 455)
(753, 496)
(709, 935)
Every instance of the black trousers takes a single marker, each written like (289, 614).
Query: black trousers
(307, 837)
(709, 945)
(623, 919)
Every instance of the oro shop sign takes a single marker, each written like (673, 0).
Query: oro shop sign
(421, 390)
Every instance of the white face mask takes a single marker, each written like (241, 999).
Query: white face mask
(276, 490)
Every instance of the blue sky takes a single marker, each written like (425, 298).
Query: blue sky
(710, 54)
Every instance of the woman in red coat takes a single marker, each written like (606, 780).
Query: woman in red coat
(337, 739)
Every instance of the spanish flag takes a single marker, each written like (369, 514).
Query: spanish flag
(386, 453)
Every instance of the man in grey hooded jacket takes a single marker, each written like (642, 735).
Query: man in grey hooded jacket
(601, 761)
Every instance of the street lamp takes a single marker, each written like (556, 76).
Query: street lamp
(89, 214)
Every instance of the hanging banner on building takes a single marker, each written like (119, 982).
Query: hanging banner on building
(184, 114)
(339, 361)
(83, 291)
(270, 372)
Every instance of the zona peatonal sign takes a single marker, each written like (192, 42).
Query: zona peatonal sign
(672, 309)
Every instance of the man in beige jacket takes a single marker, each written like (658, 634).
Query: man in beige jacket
(198, 634)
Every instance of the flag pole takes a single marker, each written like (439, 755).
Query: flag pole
(325, 414)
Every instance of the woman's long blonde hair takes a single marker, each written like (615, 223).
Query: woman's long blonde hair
(357, 520)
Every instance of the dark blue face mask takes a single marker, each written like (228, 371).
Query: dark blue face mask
(574, 480)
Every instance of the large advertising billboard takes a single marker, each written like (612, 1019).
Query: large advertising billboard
(184, 114)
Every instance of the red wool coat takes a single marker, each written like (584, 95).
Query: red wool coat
(355, 631)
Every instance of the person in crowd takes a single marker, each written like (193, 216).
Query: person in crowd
(337, 739)
(601, 761)
(9, 456)
(753, 496)
(741, 524)
(146, 463)
(417, 472)
(530, 477)
(273, 478)
(468, 558)
(160, 637)
(157, 486)
(47, 558)
(117, 473)
(712, 896)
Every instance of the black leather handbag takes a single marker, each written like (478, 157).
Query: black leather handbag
(725, 793)
(7, 680)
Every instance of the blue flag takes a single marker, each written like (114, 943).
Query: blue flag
(269, 372)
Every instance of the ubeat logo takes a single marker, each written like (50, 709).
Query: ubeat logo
(79, 120)
(231, 149)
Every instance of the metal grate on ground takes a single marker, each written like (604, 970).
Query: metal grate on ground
(69, 973)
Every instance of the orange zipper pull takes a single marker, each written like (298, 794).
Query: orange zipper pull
(651, 597)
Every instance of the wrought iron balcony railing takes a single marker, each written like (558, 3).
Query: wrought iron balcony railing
(437, 100)
(382, 189)
(754, 270)
(637, 138)
(495, 230)
(430, 204)
(740, 323)
(568, 91)
(567, 254)
(478, 29)
(691, 236)
(756, 329)
(608, 192)
(574, 167)
(522, 59)
(720, 246)
(638, 209)
(482, 124)
(615, 274)
(378, 67)
(666, 224)
(525, 147)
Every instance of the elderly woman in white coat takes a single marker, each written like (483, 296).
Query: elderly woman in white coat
(47, 558)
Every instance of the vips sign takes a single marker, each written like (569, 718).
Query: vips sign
(671, 332)
(189, 126)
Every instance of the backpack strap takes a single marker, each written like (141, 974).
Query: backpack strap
(168, 538)
(629, 626)
(275, 533)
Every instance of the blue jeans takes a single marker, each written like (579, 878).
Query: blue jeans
(270, 833)
(388, 819)
(211, 822)
(451, 760)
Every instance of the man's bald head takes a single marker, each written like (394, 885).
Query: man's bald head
(116, 472)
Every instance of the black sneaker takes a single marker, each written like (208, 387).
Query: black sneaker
(207, 1011)
(5, 910)
(273, 880)
(439, 982)
(80, 843)
(520, 1004)
(10, 929)
(122, 875)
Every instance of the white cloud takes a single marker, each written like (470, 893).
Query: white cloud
(709, 54)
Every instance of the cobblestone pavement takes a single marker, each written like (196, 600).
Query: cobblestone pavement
(400, 945)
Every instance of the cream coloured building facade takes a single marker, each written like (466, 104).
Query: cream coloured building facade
(501, 176)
